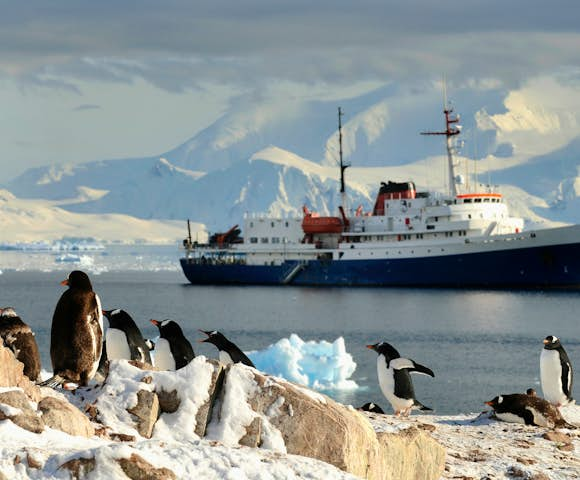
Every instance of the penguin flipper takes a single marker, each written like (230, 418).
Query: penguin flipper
(422, 369)
(417, 404)
(567, 379)
(411, 366)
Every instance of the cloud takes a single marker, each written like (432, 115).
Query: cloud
(179, 45)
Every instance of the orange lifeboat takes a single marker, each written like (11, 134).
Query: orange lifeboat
(313, 224)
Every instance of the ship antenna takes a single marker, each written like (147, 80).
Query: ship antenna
(450, 131)
(343, 166)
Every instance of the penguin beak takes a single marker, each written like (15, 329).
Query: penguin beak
(371, 347)
(546, 341)
(204, 340)
(64, 283)
(155, 322)
(490, 403)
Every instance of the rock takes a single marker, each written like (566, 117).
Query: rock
(253, 434)
(168, 401)
(122, 437)
(539, 476)
(79, 467)
(61, 415)
(143, 365)
(557, 437)
(315, 426)
(136, 468)
(26, 417)
(33, 462)
(12, 374)
(205, 411)
(16, 399)
(146, 411)
(409, 454)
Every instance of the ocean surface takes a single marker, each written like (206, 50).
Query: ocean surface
(479, 343)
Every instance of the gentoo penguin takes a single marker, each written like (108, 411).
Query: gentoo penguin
(19, 338)
(123, 339)
(556, 375)
(527, 409)
(228, 352)
(172, 351)
(395, 379)
(371, 407)
(76, 337)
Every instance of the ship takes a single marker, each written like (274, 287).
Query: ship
(461, 237)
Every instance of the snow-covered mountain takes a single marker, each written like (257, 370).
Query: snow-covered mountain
(275, 155)
(25, 220)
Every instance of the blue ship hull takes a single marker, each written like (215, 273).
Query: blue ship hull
(534, 267)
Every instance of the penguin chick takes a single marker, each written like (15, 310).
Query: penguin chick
(395, 379)
(76, 337)
(556, 374)
(19, 338)
(172, 351)
(229, 352)
(528, 410)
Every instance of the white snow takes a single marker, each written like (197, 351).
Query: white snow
(320, 365)
(480, 447)
(28, 220)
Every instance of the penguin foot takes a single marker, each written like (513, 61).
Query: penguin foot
(52, 382)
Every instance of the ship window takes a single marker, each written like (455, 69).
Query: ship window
(264, 240)
(254, 240)
(272, 223)
(275, 239)
(469, 216)
(486, 199)
(251, 224)
(467, 200)
(477, 200)
(286, 223)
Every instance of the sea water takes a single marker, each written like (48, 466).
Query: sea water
(479, 343)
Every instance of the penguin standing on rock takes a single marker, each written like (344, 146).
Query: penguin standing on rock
(395, 379)
(76, 337)
(172, 351)
(229, 352)
(19, 338)
(529, 410)
(123, 339)
(556, 375)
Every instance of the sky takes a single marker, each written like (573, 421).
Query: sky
(83, 80)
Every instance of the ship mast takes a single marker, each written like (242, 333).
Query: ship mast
(450, 131)
(343, 166)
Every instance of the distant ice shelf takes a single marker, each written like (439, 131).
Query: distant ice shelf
(55, 246)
